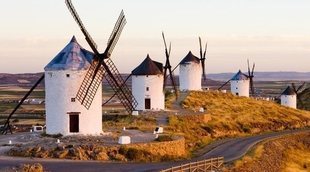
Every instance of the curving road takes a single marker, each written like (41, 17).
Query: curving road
(230, 149)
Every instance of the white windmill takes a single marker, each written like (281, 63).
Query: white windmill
(63, 77)
(147, 85)
(190, 73)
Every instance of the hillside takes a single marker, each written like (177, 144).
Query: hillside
(288, 153)
(229, 116)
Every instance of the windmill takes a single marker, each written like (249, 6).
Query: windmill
(167, 68)
(103, 66)
(251, 76)
(298, 91)
(203, 59)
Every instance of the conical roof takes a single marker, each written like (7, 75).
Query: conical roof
(190, 58)
(148, 67)
(72, 57)
(239, 76)
(288, 91)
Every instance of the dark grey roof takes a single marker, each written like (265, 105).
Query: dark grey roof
(239, 76)
(288, 91)
(72, 57)
(148, 67)
(190, 58)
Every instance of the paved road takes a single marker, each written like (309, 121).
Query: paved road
(231, 149)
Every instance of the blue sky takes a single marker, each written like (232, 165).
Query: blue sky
(273, 33)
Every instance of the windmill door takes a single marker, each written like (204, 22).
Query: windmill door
(74, 122)
(147, 103)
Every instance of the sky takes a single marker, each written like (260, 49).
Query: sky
(275, 34)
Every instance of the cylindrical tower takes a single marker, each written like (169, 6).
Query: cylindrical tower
(289, 98)
(63, 77)
(147, 85)
(190, 73)
(240, 84)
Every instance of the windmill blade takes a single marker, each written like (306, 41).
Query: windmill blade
(7, 123)
(118, 84)
(249, 71)
(301, 86)
(200, 48)
(118, 28)
(252, 73)
(205, 52)
(169, 49)
(223, 85)
(173, 83)
(115, 93)
(163, 35)
(252, 86)
(121, 15)
(294, 88)
(76, 17)
(202, 59)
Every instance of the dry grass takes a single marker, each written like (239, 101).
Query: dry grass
(297, 158)
(288, 153)
(231, 116)
(144, 123)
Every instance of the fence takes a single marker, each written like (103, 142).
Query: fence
(212, 164)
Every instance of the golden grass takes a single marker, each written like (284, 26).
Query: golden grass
(144, 123)
(287, 153)
(233, 115)
(297, 159)
(230, 116)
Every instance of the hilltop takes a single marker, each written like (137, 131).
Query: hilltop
(230, 116)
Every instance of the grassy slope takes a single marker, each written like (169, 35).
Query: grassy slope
(288, 153)
(231, 116)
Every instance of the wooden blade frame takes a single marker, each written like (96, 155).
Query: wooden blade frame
(99, 68)
(168, 67)
(203, 59)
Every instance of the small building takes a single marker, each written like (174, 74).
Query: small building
(240, 84)
(190, 73)
(289, 98)
(63, 77)
(147, 85)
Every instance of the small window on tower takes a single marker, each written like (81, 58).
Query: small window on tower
(50, 74)
(147, 88)
(72, 99)
(68, 75)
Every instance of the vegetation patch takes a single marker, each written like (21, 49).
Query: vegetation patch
(288, 153)
(227, 115)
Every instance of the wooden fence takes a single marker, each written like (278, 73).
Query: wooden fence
(212, 164)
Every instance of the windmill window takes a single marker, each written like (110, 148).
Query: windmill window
(72, 99)
(236, 88)
(147, 88)
(68, 75)
(50, 74)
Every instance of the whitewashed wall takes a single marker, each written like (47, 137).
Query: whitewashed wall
(59, 89)
(155, 93)
(190, 76)
(289, 101)
(242, 87)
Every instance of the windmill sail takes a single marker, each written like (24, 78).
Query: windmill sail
(167, 68)
(103, 66)
(203, 59)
